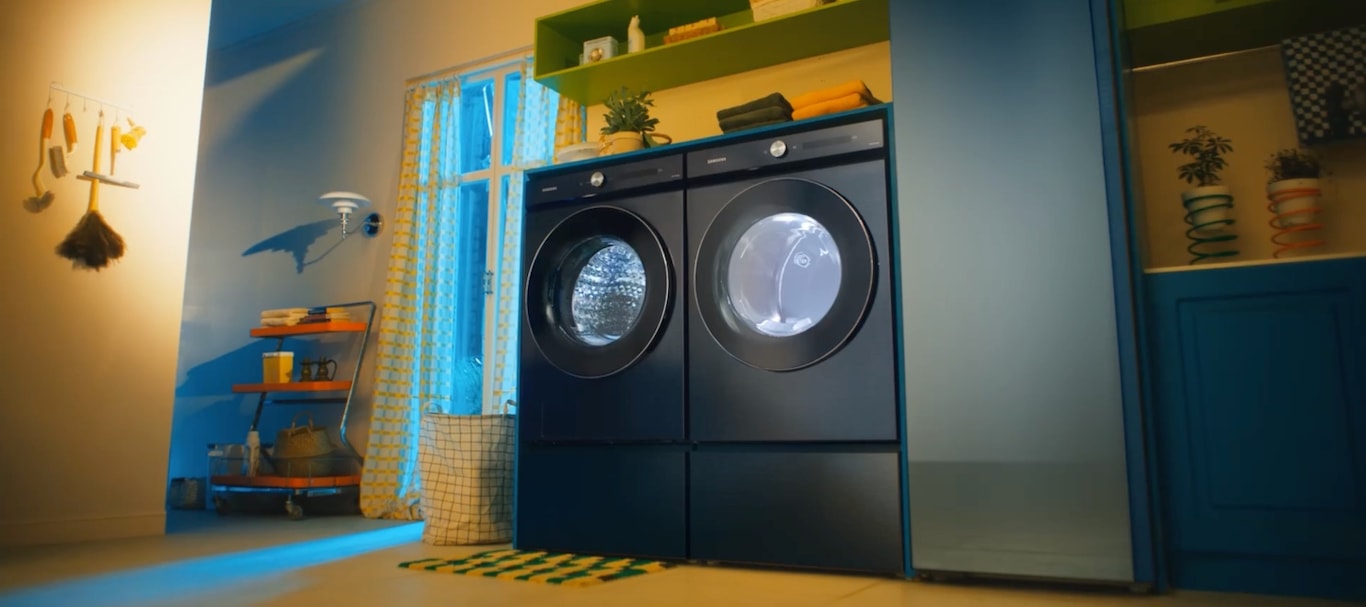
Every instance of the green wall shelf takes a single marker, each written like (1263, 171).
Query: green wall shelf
(1163, 31)
(740, 46)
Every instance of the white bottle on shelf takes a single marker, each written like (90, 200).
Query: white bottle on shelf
(635, 37)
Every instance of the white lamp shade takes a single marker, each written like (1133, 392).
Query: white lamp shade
(344, 202)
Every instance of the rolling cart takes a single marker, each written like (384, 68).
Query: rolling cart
(230, 469)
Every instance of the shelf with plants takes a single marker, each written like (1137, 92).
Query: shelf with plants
(1286, 211)
(741, 45)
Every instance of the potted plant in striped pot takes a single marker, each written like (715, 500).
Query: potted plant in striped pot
(1209, 203)
(1293, 186)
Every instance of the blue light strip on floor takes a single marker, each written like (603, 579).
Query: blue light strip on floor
(248, 577)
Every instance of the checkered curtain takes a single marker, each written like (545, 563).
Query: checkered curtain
(413, 365)
(534, 147)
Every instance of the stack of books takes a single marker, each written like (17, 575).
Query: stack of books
(287, 317)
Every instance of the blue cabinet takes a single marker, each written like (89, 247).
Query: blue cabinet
(1259, 385)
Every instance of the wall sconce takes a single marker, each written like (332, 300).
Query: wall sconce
(345, 203)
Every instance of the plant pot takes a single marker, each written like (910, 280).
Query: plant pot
(1208, 207)
(622, 141)
(1294, 201)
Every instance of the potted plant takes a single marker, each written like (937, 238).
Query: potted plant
(628, 125)
(1207, 204)
(1294, 185)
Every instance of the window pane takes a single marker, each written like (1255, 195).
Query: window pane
(470, 256)
(476, 125)
(512, 94)
(784, 274)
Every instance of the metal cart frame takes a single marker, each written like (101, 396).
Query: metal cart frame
(292, 487)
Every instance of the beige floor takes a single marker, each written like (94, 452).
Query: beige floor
(348, 561)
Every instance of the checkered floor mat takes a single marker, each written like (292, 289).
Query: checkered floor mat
(560, 568)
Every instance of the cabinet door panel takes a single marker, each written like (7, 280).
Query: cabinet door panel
(1260, 409)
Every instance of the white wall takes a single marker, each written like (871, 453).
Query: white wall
(89, 357)
(318, 107)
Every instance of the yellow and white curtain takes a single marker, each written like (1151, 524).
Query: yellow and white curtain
(414, 364)
(408, 369)
(534, 146)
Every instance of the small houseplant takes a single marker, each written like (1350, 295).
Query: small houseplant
(628, 123)
(1293, 185)
(1208, 203)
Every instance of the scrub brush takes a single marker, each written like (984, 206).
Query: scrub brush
(42, 197)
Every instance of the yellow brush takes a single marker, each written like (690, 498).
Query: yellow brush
(69, 131)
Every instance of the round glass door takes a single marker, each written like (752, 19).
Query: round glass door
(598, 292)
(604, 290)
(784, 274)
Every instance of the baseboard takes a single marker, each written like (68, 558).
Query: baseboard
(1326, 579)
(74, 530)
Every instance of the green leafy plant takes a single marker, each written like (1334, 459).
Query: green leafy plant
(627, 112)
(1292, 163)
(1206, 150)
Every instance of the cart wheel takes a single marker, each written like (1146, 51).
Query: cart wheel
(294, 511)
(220, 505)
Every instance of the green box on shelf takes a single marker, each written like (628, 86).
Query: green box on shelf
(740, 46)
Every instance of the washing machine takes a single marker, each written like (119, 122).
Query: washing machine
(792, 389)
(601, 455)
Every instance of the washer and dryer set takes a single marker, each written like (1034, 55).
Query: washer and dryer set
(708, 352)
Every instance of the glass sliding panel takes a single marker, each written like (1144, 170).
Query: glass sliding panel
(476, 125)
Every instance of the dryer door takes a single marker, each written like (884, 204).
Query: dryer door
(785, 273)
(598, 292)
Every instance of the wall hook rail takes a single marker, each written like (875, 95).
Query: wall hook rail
(59, 87)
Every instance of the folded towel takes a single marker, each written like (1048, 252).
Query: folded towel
(754, 125)
(844, 89)
(284, 312)
(279, 321)
(772, 100)
(765, 115)
(847, 102)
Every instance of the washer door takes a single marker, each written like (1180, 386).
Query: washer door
(598, 292)
(784, 274)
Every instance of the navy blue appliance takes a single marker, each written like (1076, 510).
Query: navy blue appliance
(601, 465)
(792, 359)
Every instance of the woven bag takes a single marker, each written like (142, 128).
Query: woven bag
(302, 441)
(465, 463)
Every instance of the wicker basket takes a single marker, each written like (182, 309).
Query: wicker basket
(302, 441)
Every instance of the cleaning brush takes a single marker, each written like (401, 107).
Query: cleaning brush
(92, 243)
(42, 197)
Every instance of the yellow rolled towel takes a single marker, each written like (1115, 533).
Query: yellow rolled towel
(847, 102)
(844, 89)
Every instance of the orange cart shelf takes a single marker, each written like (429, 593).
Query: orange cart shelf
(294, 386)
(286, 482)
(312, 328)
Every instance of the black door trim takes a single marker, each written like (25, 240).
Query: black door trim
(858, 278)
(543, 314)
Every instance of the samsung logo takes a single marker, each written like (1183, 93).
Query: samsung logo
(550, 189)
(716, 160)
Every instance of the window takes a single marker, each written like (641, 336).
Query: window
(480, 203)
